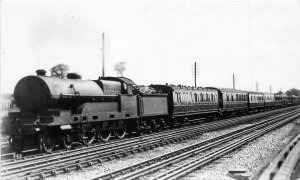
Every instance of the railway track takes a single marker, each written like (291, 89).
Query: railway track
(45, 165)
(186, 160)
(32, 153)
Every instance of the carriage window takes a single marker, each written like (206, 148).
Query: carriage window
(179, 97)
(175, 98)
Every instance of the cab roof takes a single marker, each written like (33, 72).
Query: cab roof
(119, 79)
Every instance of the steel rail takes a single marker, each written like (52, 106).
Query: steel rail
(204, 127)
(176, 156)
(117, 145)
(5, 157)
(43, 155)
(86, 162)
(75, 158)
(208, 158)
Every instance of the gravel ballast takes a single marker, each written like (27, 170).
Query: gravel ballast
(252, 157)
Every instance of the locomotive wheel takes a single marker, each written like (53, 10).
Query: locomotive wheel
(160, 125)
(47, 142)
(40, 143)
(141, 129)
(149, 127)
(120, 133)
(87, 137)
(67, 141)
(104, 136)
(140, 132)
(10, 140)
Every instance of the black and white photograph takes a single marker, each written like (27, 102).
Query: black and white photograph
(150, 89)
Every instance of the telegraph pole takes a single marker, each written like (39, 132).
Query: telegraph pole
(256, 86)
(195, 70)
(195, 75)
(103, 55)
(233, 81)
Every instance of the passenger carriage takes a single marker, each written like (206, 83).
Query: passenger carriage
(256, 101)
(269, 100)
(190, 102)
(233, 101)
(278, 99)
(295, 100)
(284, 100)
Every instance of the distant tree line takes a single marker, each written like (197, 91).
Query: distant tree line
(60, 71)
(120, 68)
(293, 91)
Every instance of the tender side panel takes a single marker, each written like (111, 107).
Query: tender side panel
(128, 104)
(152, 105)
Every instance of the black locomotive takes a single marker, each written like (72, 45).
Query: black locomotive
(57, 111)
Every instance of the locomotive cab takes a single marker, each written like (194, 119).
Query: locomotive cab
(126, 84)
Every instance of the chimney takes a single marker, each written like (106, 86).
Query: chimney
(40, 72)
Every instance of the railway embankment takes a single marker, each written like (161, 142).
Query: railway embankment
(286, 164)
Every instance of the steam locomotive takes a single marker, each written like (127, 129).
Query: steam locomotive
(57, 111)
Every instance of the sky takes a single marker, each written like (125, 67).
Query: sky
(159, 40)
